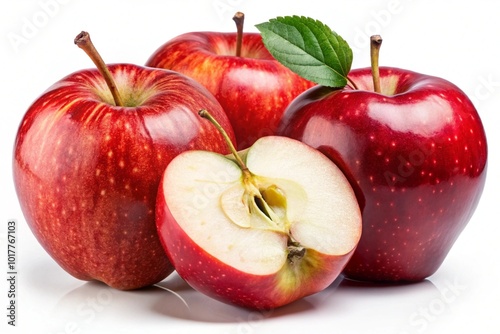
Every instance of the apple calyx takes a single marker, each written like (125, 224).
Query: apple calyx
(295, 251)
(375, 44)
(83, 41)
(239, 19)
(265, 203)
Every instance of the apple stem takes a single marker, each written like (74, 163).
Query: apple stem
(375, 43)
(83, 41)
(205, 114)
(239, 19)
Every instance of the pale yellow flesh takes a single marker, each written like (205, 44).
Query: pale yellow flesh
(204, 192)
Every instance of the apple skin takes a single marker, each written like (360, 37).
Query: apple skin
(416, 156)
(87, 172)
(227, 284)
(253, 89)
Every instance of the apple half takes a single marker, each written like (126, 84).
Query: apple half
(261, 228)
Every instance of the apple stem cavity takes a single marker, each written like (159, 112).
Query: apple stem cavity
(375, 44)
(239, 19)
(83, 41)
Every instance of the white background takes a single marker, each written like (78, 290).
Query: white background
(456, 40)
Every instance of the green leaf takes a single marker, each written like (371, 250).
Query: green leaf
(309, 48)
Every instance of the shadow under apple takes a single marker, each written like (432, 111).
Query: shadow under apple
(183, 302)
(94, 304)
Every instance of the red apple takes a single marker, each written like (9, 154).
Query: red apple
(416, 155)
(259, 229)
(253, 88)
(412, 145)
(87, 168)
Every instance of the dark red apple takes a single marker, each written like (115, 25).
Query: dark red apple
(253, 88)
(87, 168)
(416, 155)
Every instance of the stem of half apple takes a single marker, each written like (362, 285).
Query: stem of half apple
(255, 198)
(375, 44)
(205, 114)
(83, 41)
(262, 201)
(239, 19)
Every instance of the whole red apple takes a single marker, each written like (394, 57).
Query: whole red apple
(416, 155)
(253, 88)
(87, 170)
(412, 145)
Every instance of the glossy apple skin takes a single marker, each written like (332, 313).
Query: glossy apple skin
(416, 159)
(87, 173)
(254, 89)
(218, 280)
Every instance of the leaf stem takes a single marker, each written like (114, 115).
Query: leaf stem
(375, 43)
(83, 41)
(239, 19)
(353, 84)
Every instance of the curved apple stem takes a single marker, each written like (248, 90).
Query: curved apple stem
(375, 43)
(205, 114)
(83, 41)
(239, 19)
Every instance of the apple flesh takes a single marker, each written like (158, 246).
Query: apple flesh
(254, 89)
(416, 156)
(87, 172)
(261, 238)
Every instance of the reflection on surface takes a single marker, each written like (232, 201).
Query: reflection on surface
(397, 309)
(94, 302)
(198, 307)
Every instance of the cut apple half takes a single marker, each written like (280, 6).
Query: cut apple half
(262, 233)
